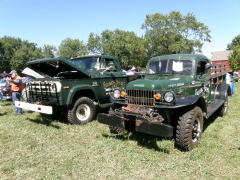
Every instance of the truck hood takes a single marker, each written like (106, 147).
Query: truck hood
(164, 84)
(53, 66)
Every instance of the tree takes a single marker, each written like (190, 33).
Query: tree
(125, 45)
(95, 44)
(14, 53)
(235, 42)
(48, 51)
(27, 52)
(234, 59)
(70, 48)
(174, 33)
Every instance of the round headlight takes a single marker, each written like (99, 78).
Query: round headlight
(116, 93)
(53, 87)
(169, 96)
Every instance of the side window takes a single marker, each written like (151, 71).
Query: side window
(201, 68)
(152, 67)
(109, 64)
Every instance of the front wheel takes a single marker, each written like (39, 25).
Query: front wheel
(189, 129)
(82, 112)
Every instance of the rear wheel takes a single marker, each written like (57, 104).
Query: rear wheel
(189, 129)
(82, 112)
(224, 108)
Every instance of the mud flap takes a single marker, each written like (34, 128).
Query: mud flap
(111, 120)
(154, 128)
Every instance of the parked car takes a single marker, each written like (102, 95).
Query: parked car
(25, 80)
(5, 89)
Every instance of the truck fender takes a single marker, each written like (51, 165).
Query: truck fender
(193, 100)
(185, 101)
(90, 93)
(222, 91)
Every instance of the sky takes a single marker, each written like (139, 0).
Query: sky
(49, 22)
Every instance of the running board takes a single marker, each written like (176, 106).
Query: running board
(214, 106)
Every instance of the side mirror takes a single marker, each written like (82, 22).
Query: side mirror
(208, 66)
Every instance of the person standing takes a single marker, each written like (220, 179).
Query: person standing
(17, 87)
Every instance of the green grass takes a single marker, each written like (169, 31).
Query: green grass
(33, 147)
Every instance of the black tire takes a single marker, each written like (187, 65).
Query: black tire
(116, 130)
(224, 108)
(189, 129)
(82, 111)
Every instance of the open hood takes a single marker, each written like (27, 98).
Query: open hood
(55, 66)
(29, 72)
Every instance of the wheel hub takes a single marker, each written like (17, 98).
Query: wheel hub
(196, 130)
(83, 112)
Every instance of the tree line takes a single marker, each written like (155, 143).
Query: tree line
(234, 59)
(164, 34)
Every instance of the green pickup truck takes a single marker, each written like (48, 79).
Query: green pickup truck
(76, 86)
(179, 92)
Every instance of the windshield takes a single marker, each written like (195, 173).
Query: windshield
(87, 63)
(169, 66)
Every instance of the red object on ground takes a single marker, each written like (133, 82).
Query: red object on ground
(127, 109)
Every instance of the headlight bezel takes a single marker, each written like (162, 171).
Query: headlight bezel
(57, 85)
(119, 93)
(116, 93)
(169, 97)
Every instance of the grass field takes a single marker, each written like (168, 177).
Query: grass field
(33, 147)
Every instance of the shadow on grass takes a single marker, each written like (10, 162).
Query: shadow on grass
(3, 114)
(47, 120)
(44, 121)
(144, 140)
(209, 121)
(7, 103)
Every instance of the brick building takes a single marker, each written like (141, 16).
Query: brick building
(221, 57)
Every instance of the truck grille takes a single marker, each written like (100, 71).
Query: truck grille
(43, 92)
(141, 97)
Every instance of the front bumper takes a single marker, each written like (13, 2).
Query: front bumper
(141, 125)
(34, 107)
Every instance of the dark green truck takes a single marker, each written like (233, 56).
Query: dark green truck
(76, 86)
(179, 92)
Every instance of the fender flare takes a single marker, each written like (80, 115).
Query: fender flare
(74, 90)
(222, 91)
(184, 101)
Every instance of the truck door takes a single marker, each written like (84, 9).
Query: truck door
(203, 84)
(111, 76)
